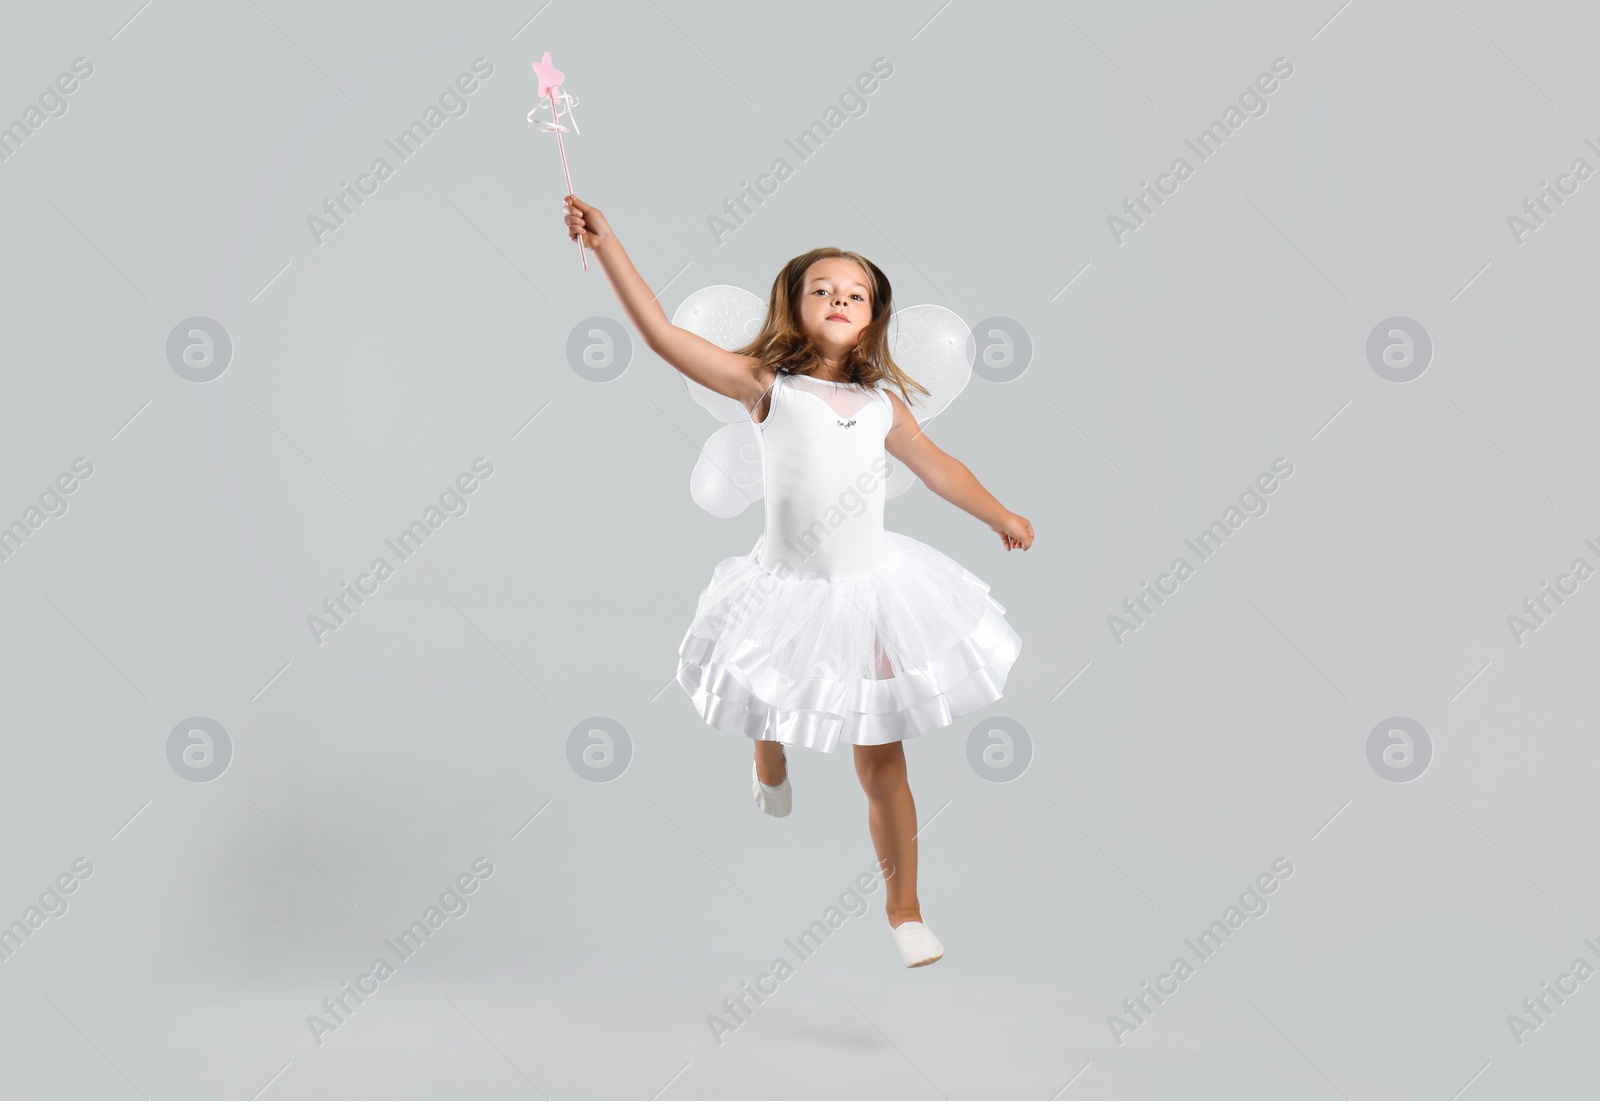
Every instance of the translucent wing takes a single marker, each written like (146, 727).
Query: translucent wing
(935, 347)
(727, 477)
(729, 317)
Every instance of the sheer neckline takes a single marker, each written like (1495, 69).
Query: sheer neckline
(831, 382)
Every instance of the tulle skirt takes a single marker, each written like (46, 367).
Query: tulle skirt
(868, 658)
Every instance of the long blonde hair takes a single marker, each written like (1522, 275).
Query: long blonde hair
(782, 347)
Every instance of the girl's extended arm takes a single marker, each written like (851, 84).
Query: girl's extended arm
(949, 478)
(716, 369)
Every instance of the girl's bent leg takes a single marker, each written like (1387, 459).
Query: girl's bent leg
(892, 817)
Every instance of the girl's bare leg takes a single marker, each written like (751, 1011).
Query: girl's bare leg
(771, 766)
(892, 817)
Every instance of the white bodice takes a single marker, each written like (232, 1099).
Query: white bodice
(824, 468)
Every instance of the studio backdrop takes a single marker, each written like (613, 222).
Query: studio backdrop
(349, 532)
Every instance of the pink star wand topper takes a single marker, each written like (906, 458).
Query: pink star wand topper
(550, 79)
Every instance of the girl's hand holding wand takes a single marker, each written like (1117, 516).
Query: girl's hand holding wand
(586, 221)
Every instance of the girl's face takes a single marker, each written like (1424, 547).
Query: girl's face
(835, 304)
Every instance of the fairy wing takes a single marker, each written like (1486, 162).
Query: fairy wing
(935, 347)
(727, 476)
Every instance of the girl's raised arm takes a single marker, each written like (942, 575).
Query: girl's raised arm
(715, 368)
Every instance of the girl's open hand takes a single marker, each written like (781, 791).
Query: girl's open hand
(584, 219)
(1015, 531)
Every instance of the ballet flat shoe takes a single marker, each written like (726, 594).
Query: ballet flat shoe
(918, 946)
(774, 801)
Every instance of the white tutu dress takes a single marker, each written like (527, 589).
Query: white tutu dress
(832, 628)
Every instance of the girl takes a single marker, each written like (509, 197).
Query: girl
(832, 628)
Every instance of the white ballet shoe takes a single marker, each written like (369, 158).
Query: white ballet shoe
(918, 946)
(776, 801)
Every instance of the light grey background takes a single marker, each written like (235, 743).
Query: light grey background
(432, 728)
